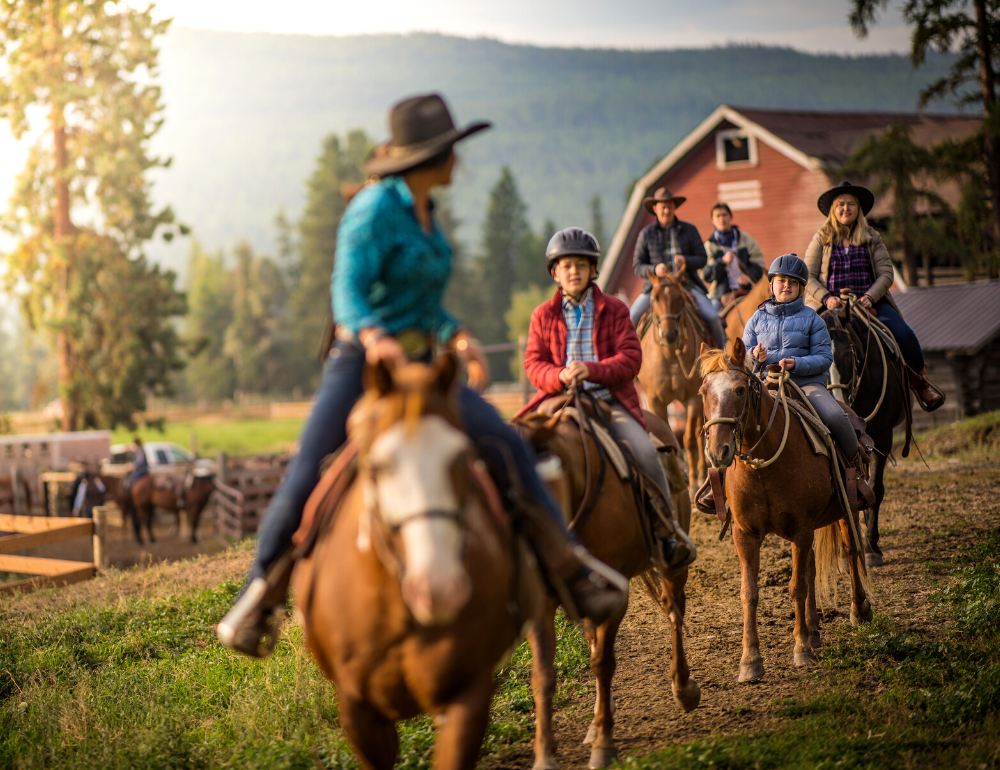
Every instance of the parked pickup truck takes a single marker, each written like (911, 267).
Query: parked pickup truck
(159, 454)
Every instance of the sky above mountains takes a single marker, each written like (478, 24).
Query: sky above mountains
(806, 25)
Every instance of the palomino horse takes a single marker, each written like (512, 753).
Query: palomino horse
(615, 534)
(776, 484)
(416, 589)
(145, 495)
(736, 318)
(670, 361)
(868, 377)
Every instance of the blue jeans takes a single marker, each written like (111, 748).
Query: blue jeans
(326, 431)
(908, 343)
(705, 309)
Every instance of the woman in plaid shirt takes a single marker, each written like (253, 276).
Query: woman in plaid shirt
(847, 253)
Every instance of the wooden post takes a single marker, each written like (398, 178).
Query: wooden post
(193, 443)
(100, 524)
(18, 501)
(220, 468)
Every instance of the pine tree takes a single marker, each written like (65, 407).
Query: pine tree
(91, 66)
(505, 232)
(338, 167)
(973, 41)
(210, 296)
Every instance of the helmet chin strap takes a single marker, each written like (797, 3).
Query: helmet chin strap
(576, 299)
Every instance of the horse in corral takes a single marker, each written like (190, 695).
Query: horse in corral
(417, 587)
(671, 333)
(776, 484)
(189, 494)
(616, 534)
(736, 315)
(867, 375)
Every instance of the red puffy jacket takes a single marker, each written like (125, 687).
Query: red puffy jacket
(615, 341)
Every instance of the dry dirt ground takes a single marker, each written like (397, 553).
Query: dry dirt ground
(928, 515)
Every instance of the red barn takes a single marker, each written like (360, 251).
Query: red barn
(770, 166)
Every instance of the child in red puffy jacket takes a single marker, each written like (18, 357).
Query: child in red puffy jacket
(584, 337)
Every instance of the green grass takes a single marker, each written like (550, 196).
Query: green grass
(144, 684)
(887, 698)
(235, 437)
(976, 438)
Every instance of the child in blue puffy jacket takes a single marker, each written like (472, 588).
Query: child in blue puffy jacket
(784, 331)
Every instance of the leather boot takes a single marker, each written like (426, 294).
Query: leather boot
(866, 497)
(252, 624)
(587, 587)
(929, 397)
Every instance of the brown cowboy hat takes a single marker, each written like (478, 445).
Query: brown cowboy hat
(866, 199)
(662, 195)
(421, 127)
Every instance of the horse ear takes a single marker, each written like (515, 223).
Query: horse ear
(651, 276)
(379, 378)
(704, 349)
(739, 353)
(445, 371)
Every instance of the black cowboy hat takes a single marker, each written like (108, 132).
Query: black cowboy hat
(865, 197)
(421, 127)
(662, 195)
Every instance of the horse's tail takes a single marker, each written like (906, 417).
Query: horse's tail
(827, 548)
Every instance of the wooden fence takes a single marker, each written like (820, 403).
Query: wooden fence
(241, 497)
(28, 532)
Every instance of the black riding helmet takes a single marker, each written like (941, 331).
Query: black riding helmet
(790, 266)
(572, 242)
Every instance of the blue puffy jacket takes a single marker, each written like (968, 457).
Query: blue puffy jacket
(792, 330)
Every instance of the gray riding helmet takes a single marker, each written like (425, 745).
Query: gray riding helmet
(572, 242)
(791, 266)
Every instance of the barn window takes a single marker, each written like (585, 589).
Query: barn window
(735, 149)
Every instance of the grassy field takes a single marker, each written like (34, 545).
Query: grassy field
(235, 437)
(977, 438)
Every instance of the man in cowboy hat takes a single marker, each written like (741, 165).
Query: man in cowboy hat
(669, 245)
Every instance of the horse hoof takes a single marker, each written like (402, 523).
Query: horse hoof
(752, 672)
(602, 757)
(545, 763)
(874, 560)
(864, 615)
(803, 658)
(688, 695)
(591, 734)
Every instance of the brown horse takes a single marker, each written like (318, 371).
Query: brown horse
(615, 534)
(776, 484)
(736, 318)
(417, 589)
(670, 361)
(146, 494)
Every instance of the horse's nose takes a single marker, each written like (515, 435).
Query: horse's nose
(672, 335)
(723, 457)
(436, 597)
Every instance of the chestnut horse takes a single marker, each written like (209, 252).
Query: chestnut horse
(614, 533)
(736, 319)
(15, 499)
(670, 362)
(776, 484)
(416, 590)
(144, 495)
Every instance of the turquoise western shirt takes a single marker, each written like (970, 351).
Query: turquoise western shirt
(388, 272)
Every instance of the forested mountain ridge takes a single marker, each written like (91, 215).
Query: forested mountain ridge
(246, 115)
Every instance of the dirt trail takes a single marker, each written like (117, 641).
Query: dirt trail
(927, 516)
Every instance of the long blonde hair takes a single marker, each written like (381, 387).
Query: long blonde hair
(834, 232)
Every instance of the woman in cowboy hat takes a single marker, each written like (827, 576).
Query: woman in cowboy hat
(668, 245)
(393, 264)
(847, 253)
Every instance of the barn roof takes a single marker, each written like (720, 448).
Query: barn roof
(816, 140)
(959, 317)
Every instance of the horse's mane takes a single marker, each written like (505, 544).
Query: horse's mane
(716, 360)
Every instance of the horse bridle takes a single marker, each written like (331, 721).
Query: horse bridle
(753, 402)
(679, 316)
